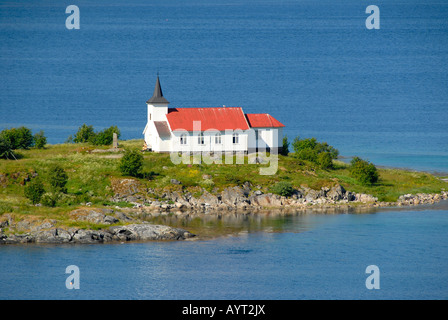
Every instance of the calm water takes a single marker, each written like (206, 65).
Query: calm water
(316, 256)
(379, 94)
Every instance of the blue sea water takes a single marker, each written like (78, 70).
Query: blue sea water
(378, 94)
(317, 256)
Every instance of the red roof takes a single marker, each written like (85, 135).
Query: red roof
(262, 120)
(221, 119)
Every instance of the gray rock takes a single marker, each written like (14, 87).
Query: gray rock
(96, 216)
(16, 238)
(266, 200)
(313, 195)
(208, 198)
(148, 231)
(121, 216)
(110, 220)
(233, 196)
(175, 181)
(336, 193)
(91, 236)
(364, 198)
(349, 196)
(54, 235)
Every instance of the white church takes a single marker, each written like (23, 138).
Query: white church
(222, 129)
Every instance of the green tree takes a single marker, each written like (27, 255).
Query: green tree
(363, 171)
(40, 140)
(18, 138)
(307, 154)
(50, 199)
(131, 163)
(85, 133)
(105, 137)
(310, 149)
(303, 144)
(285, 146)
(57, 178)
(283, 188)
(324, 160)
(6, 151)
(325, 147)
(34, 190)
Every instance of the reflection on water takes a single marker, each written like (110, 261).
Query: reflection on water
(306, 255)
(212, 224)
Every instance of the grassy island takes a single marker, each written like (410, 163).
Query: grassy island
(92, 170)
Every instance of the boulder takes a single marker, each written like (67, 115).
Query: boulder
(16, 238)
(364, 198)
(266, 200)
(91, 236)
(53, 235)
(349, 196)
(233, 196)
(312, 195)
(146, 231)
(336, 193)
(208, 198)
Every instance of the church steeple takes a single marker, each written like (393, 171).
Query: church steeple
(157, 96)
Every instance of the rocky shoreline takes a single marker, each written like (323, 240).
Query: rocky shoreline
(48, 231)
(247, 197)
(128, 224)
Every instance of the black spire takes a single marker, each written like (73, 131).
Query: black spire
(157, 96)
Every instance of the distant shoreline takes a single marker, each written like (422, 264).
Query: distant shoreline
(436, 173)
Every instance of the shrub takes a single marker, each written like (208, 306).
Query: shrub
(310, 149)
(40, 140)
(34, 190)
(18, 138)
(131, 163)
(324, 160)
(6, 151)
(363, 171)
(85, 133)
(207, 184)
(307, 154)
(50, 199)
(106, 137)
(325, 147)
(283, 188)
(302, 144)
(57, 178)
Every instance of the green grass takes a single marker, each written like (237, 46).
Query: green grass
(90, 175)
